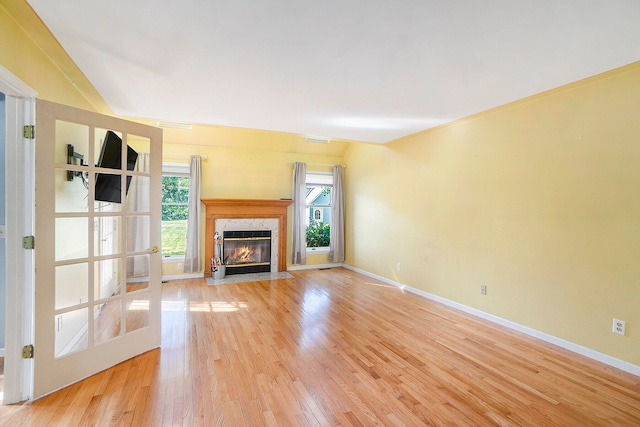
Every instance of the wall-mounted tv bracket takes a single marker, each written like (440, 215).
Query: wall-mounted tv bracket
(74, 158)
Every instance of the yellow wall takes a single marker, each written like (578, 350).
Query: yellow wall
(538, 200)
(30, 52)
(249, 170)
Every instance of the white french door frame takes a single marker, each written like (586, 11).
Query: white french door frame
(54, 368)
(20, 222)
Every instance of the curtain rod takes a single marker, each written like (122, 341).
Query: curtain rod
(184, 156)
(319, 164)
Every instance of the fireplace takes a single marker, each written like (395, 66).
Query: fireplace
(247, 251)
(244, 209)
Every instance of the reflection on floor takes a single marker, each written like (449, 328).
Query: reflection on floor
(250, 277)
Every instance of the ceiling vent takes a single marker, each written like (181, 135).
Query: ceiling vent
(320, 139)
(175, 125)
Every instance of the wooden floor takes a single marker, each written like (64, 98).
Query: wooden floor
(331, 347)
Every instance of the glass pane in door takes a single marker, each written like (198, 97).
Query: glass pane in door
(142, 146)
(72, 285)
(107, 321)
(107, 278)
(72, 190)
(107, 149)
(138, 272)
(71, 331)
(72, 238)
(138, 195)
(106, 238)
(71, 143)
(138, 233)
(137, 311)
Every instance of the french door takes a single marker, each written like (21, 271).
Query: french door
(98, 265)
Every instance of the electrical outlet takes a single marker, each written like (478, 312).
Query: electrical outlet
(483, 289)
(619, 326)
(398, 266)
(179, 266)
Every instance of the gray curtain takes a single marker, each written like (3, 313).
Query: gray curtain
(336, 242)
(192, 259)
(299, 247)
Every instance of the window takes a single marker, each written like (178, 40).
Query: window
(175, 207)
(318, 202)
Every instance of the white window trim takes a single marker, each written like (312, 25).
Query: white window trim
(318, 250)
(172, 258)
(175, 169)
(319, 179)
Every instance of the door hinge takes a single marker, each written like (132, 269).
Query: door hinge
(27, 351)
(29, 242)
(29, 131)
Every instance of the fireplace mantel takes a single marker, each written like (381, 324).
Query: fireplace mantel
(245, 208)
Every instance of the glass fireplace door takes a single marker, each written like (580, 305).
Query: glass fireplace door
(247, 251)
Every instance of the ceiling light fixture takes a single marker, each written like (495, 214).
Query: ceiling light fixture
(175, 125)
(320, 139)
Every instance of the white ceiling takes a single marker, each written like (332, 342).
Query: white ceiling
(367, 70)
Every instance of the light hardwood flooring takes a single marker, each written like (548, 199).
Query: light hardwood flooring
(332, 347)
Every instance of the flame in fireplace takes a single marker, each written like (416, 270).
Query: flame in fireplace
(243, 255)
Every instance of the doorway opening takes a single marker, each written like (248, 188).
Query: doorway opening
(16, 264)
(3, 263)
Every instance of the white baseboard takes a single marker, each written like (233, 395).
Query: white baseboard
(313, 266)
(568, 345)
(183, 276)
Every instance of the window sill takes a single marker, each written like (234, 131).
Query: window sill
(172, 258)
(322, 250)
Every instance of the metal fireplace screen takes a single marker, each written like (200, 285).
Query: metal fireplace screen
(247, 251)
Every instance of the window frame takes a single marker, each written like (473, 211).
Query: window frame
(174, 169)
(317, 179)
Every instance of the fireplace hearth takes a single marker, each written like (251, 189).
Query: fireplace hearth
(247, 251)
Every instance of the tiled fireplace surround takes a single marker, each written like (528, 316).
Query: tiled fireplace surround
(248, 214)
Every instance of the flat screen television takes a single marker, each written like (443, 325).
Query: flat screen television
(109, 187)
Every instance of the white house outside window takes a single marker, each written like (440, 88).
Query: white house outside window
(318, 208)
